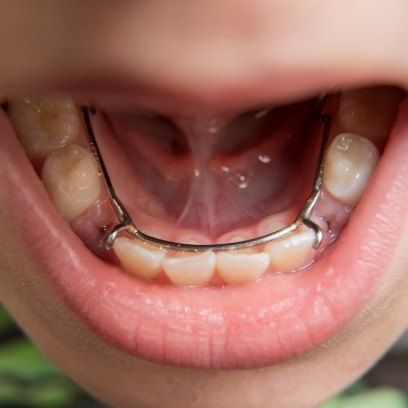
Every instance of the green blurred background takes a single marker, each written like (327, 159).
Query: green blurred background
(28, 379)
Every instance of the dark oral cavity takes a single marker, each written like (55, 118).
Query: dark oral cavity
(214, 173)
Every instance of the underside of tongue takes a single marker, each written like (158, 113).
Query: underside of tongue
(215, 173)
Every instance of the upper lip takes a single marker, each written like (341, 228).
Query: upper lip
(136, 50)
(153, 53)
(249, 326)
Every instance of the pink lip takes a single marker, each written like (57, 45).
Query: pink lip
(248, 326)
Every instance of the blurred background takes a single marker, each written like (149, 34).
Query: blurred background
(28, 379)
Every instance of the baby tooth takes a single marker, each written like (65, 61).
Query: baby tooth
(292, 252)
(45, 125)
(191, 237)
(235, 236)
(350, 161)
(269, 225)
(70, 176)
(138, 258)
(236, 268)
(369, 112)
(190, 270)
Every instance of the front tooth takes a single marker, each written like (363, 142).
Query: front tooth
(190, 237)
(44, 125)
(369, 112)
(190, 270)
(70, 176)
(238, 268)
(350, 161)
(236, 236)
(292, 252)
(140, 259)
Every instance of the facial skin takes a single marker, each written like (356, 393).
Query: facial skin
(203, 54)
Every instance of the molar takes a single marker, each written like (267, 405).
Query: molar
(70, 176)
(44, 125)
(238, 268)
(190, 270)
(350, 161)
(292, 252)
(138, 258)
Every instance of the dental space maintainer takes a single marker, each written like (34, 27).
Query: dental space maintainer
(127, 225)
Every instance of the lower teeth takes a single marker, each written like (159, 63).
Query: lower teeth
(350, 161)
(70, 175)
(71, 178)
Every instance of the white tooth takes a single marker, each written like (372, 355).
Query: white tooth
(350, 161)
(369, 112)
(235, 236)
(138, 258)
(236, 268)
(190, 270)
(292, 252)
(44, 125)
(232, 238)
(269, 225)
(190, 237)
(70, 176)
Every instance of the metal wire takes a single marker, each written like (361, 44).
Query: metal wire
(126, 223)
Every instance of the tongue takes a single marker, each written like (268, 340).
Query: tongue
(216, 173)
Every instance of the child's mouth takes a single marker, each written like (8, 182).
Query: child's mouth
(208, 178)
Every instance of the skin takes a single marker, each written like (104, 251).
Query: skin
(249, 54)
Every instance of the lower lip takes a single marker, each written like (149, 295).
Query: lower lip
(231, 327)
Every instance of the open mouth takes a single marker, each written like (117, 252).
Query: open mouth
(201, 180)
